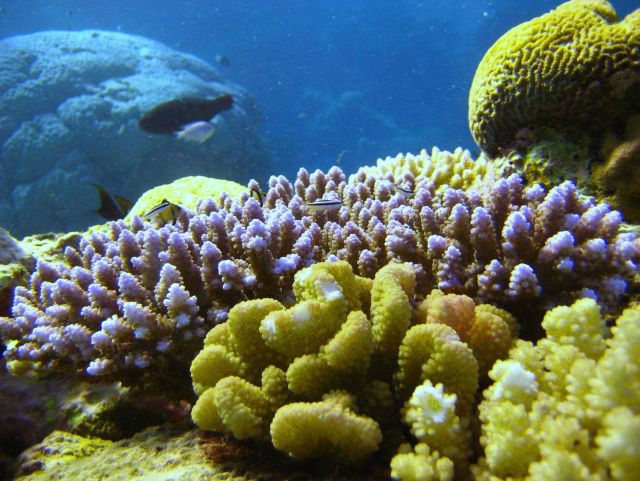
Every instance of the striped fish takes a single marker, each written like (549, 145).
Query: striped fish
(163, 213)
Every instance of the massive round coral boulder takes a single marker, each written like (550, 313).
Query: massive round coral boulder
(575, 68)
(69, 109)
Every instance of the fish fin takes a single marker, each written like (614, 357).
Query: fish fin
(108, 209)
(125, 204)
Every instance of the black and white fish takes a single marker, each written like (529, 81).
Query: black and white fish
(163, 213)
(403, 191)
(257, 194)
(323, 205)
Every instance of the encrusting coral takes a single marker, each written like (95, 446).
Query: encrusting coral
(575, 67)
(567, 407)
(617, 179)
(138, 298)
(323, 378)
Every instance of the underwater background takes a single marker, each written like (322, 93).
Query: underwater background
(334, 82)
(331, 255)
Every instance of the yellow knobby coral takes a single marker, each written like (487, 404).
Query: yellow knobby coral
(618, 443)
(569, 406)
(488, 330)
(326, 292)
(457, 169)
(234, 406)
(318, 282)
(573, 67)
(391, 311)
(342, 362)
(434, 352)
(326, 428)
(421, 465)
(351, 370)
(235, 348)
(430, 414)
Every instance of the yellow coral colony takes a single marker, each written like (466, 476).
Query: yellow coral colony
(457, 169)
(574, 67)
(330, 377)
(567, 407)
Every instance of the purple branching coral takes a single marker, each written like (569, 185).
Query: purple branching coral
(140, 298)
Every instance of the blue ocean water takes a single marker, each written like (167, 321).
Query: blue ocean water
(335, 81)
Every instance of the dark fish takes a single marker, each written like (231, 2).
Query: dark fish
(323, 205)
(170, 117)
(163, 213)
(223, 60)
(112, 207)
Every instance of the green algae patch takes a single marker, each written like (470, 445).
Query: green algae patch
(170, 452)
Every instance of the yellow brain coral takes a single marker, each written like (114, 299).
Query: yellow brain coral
(569, 406)
(574, 66)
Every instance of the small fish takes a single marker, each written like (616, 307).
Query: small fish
(257, 194)
(404, 192)
(112, 207)
(341, 156)
(164, 213)
(199, 131)
(172, 116)
(223, 60)
(323, 205)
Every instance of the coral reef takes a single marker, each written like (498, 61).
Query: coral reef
(71, 101)
(176, 452)
(14, 268)
(10, 249)
(322, 378)
(617, 179)
(567, 407)
(575, 68)
(152, 452)
(138, 298)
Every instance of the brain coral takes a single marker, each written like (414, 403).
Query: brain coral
(574, 66)
(70, 103)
